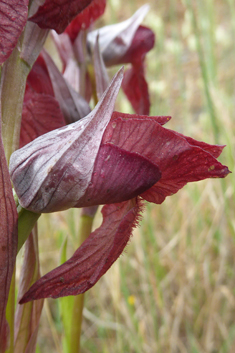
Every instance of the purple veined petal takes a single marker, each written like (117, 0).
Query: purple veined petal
(58, 14)
(13, 19)
(101, 75)
(72, 104)
(94, 257)
(8, 243)
(115, 39)
(214, 150)
(59, 165)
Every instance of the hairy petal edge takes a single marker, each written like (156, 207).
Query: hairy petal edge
(94, 257)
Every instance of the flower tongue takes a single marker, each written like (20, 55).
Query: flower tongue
(56, 168)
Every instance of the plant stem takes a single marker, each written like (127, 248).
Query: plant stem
(85, 227)
(26, 222)
(13, 80)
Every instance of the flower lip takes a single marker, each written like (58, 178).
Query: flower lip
(118, 176)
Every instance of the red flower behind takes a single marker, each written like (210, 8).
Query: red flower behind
(83, 20)
(59, 13)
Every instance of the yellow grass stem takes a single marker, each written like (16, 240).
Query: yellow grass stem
(204, 72)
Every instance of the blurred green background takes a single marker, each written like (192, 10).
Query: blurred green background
(173, 290)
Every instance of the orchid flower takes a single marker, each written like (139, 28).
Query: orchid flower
(128, 42)
(121, 43)
(20, 44)
(72, 156)
(105, 158)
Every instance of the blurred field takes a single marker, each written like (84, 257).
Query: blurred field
(173, 290)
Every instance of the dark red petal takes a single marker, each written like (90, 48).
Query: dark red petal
(41, 114)
(178, 161)
(162, 120)
(135, 88)
(93, 258)
(215, 150)
(191, 165)
(58, 14)
(13, 19)
(8, 242)
(86, 18)
(39, 79)
(141, 44)
(118, 176)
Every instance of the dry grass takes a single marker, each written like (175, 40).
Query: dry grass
(172, 291)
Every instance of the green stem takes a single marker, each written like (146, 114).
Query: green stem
(86, 222)
(13, 80)
(26, 222)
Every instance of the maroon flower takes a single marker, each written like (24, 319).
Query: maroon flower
(128, 42)
(106, 158)
(121, 43)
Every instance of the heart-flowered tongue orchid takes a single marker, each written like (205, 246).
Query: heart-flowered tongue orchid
(54, 171)
(105, 158)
